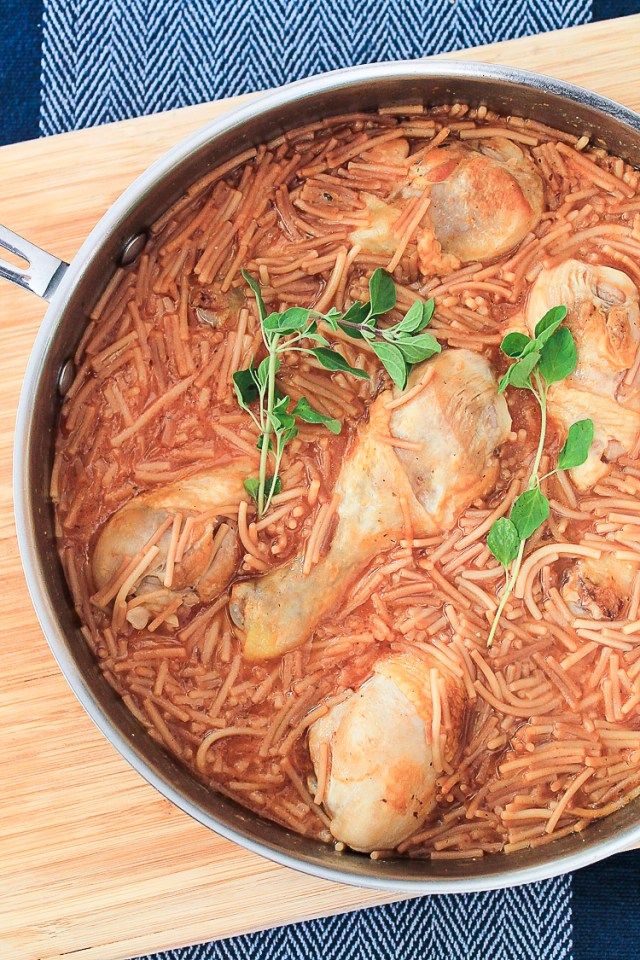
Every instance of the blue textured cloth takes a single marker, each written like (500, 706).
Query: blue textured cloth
(66, 64)
(102, 60)
(528, 923)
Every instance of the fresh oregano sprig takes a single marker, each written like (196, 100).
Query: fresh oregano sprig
(281, 332)
(397, 347)
(295, 330)
(547, 357)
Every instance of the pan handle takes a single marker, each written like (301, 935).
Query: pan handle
(42, 273)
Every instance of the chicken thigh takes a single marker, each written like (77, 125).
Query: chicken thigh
(604, 317)
(485, 196)
(383, 763)
(455, 422)
(213, 553)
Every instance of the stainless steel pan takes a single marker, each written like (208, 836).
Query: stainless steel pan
(73, 289)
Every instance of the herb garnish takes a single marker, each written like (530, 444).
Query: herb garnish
(397, 347)
(295, 330)
(546, 358)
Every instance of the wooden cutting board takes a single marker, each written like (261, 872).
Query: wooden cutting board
(94, 863)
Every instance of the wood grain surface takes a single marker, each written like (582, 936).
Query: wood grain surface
(94, 863)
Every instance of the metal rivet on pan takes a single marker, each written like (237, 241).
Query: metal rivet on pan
(66, 376)
(132, 249)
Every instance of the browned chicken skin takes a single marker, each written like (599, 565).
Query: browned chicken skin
(484, 197)
(214, 550)
(382, 759)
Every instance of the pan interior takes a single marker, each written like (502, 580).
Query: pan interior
(508, 92)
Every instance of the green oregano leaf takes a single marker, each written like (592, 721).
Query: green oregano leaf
(332, 360)
(514, 343)
(293, 320)
(529, 512)
(283, 422)
(558, 358)
(427, 313)
(262, 372)
(332, 317)
(393, 361)
(252, 485)
(352, 321)
(548, 325)
(304, 411)
(521, 370)
(504, 541)
(382, 293)
(418, 348)
(503, 382)
(245, 386)
(412, 320)
(577, 445)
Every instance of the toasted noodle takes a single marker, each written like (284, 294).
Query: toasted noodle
(550, 738)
